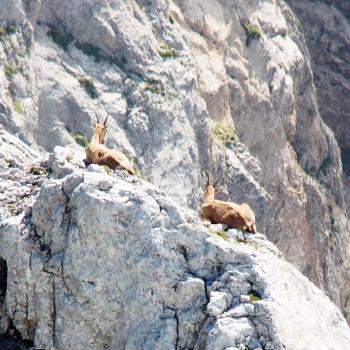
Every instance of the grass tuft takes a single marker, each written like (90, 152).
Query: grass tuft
(17, 106)
(11, 29)
(166, 51)
(10, 70)
(154, 86)
(107, 169)
(224, 134)
(69, 157)
(252, 31)
(221, 234)
(89, 86)
(6, 32)
(38, 170)
(80, 139)
(254, 296)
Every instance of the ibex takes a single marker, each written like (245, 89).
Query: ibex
(234, 215)
(96, 153)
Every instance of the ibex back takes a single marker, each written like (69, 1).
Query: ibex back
(234, 215)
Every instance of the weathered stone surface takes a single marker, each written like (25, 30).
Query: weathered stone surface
(168, 72)
(327, 32)
(123, 270)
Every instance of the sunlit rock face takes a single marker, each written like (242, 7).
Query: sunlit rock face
(192, 88)
(107, 261)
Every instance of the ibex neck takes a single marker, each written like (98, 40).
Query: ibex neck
(209, 194)
(95, 138)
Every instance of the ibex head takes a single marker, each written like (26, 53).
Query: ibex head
(210, 189)
(100, 129)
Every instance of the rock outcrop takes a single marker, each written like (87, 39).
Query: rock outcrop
(110, 262)
(327, 31)
(175, 75)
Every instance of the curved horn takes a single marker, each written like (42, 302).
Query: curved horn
(105, 122)
(217, 180)
(98, 119)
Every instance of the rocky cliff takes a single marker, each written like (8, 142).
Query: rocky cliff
(106, 261)
(175, 75)
(327, 30)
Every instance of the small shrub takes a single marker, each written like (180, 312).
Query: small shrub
(171, 20)
(3, 32)
(11, 29)
(69, 157)
(80, 139)
(17, 106)
(60, 37)
(224, 134)
(254, 296)
(38, 170)
(6, 32)
(166, 51)
(142, 175)
(10, 70)
(221, 234)
(252, 32)
(12, 177)
(107, 169)
(154, 86)
(89, 86)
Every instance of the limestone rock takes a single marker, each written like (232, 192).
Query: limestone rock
(113, 267)
(191, 87)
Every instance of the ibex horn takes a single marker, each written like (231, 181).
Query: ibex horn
(105, 122)
(217, 180)
(98, 119)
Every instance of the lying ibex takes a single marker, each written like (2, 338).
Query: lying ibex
(96, 153)
(234, 215)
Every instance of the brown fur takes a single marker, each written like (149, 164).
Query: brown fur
(96, 153)
(235, 215)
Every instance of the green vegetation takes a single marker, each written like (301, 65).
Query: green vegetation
(12, 177)
(142, 174)
(252, 32)
(89, 86)
(17, 106)
(38, 170)
(69, 157)
(224, 134)
(10, 70)
(154, 86)
(80, 139)
(107, 169)
(11, 29)
(171, 20)
(166, 51)
(60, 36)
(6, 32)
(219, 233)
(254, 296)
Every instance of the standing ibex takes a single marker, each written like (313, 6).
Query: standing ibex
(234, 215)
(96, 153)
